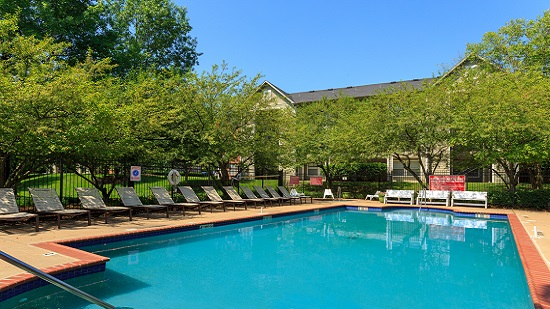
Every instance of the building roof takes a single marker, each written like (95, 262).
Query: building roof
(360, 92)
(356, 92)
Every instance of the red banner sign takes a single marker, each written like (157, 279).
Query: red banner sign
(294, 180)
(449, 182)
(316, 181)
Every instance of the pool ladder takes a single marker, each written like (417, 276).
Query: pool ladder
(423, 199)
(53, 280)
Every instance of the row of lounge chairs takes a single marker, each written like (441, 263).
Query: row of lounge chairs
(47, 202)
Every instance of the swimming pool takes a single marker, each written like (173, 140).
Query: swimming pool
(338, 259)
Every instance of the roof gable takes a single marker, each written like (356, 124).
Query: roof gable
(275, 93)
(360, 92)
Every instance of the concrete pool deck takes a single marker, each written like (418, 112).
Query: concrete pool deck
(41, 249)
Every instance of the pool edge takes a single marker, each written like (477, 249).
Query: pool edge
(536, 271)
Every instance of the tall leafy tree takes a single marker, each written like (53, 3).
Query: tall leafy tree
(319, 137)
(502, 118)
(44, 102)
(81, 23)
(411, 125)
(152, 34)
(518, 45)
(225, 108)
(134, 34)
(215, 118)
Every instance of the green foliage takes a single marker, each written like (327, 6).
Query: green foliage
(502, 118)
(519, 45)
(524, 199)
(214, 118)
(411, 125)
(320, 136)
(501, 198)
(534, 199)
(361, 171)
(151, 35)
(135, 35)
(81, 23)
(47, 106)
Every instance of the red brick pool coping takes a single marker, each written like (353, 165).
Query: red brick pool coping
(536, 271)
(83, 259)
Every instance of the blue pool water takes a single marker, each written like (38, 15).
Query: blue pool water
(334, 259)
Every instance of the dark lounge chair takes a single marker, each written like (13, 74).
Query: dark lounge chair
(234, 195)
(263, 194)
(214, 196)
(191, 197)
(47, 203)
(274, 193)
(91, 200)
(285, 193)
(130, 198)
(163, 198)
(9, 211)
(249, 194)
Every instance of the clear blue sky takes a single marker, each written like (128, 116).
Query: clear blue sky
(314, 45)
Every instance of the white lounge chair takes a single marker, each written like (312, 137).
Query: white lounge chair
(373, 196)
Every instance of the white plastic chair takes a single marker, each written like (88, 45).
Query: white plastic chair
(328, 192)
(372, 196)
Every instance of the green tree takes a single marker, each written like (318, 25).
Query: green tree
(103, 139)
(502, 118)
(151, 34)
(411, 125)
(518, 45)
(134, 34)
(81, 23)
(216, 118)
(319, 136)
(46, 104)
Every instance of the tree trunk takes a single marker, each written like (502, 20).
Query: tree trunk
(225, 179)
(4, 170)
(535, 176)
(407, 167)
(325, 167)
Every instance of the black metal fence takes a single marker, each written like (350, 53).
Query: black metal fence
(65, 176)
(477, 179)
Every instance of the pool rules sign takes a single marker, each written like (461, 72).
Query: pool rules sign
(135, 173)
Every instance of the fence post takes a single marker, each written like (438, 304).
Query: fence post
(61, 178)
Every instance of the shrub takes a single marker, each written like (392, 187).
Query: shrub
(527, 199)
(372, 171)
